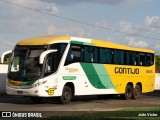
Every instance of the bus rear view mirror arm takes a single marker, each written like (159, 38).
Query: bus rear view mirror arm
(43, 55)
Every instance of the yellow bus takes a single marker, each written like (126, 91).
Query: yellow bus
(66, 66)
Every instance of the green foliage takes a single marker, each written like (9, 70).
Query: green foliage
(157, 63)
(7, 58)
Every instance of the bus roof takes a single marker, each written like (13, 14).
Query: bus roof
(46, 40)
(43, 40)
(119, 46)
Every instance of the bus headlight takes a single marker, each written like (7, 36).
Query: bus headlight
(39, 83)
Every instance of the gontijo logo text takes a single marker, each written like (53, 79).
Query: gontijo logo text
(124, 70)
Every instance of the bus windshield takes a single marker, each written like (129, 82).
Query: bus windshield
(25, 63)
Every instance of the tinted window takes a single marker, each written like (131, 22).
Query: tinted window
(92, 54)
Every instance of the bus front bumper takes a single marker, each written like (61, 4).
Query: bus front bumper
(36, 91)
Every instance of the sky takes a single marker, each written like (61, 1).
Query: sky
(138, 17)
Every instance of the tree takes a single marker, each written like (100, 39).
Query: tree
(7, 58)
(157, 63)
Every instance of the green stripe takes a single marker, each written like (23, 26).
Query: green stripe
(103, 75)
(97, 75)
(91, 44)
(76, 42)
(82, 43)
(92, 75)
(28, 82)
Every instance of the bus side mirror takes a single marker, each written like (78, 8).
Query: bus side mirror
(43, 55)
(4, 54)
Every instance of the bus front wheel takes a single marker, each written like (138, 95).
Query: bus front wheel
(128, 92)
(66, 95)
(136, 92)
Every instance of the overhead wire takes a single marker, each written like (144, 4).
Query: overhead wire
(77, 21)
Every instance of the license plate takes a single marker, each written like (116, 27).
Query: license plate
(19, 92)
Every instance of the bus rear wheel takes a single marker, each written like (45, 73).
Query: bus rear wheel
(66, 95)
(136, 92)
(128, 92)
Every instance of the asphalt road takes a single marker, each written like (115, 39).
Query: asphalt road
(83, 103)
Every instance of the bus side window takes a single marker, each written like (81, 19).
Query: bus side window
(87, 54)
(119, 57)
(149, 59)
(74, 54)
(109, 56)
(143, 59)
(96, 55)
(133, 58)
(60, 47)
(126, 58)
(69, 57)
(106, 55)
(138, 62)
(103, 55)
(152, 59)
(115, 55)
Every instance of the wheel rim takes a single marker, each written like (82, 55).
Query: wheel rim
(137, 92)
(67, 95)
(128, 92)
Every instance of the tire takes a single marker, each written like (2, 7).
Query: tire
(128, 92)
(36, 100)
(136, 92)
(66, 95)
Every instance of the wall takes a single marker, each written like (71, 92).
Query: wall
(3, 75)
(157, 81)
